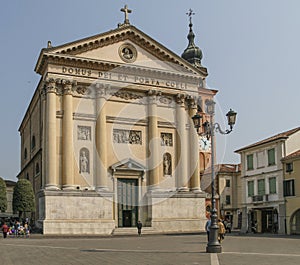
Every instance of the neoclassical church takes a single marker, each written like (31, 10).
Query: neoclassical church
(108, 138)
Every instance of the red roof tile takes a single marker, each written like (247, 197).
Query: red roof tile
(292, 155)
(283, 135)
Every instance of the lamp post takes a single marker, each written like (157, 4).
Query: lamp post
(209, 128)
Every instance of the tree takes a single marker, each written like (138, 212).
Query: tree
(3, 197)
(23, 197)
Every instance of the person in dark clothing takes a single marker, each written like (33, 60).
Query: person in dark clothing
(139, 227)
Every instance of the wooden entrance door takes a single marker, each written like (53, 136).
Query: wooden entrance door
(127, 202)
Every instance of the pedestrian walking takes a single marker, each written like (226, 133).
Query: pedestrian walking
(254, 227)
(221, 231)
(139, 227)
(4, 230)
(207, 227)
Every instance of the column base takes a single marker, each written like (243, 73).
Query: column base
(183, 189)
(70, 187)
(196, 190)
(51, 187)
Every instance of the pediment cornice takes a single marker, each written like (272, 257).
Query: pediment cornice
(74, 49)
(101, 65)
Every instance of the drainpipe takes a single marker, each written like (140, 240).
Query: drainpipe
(283, 172)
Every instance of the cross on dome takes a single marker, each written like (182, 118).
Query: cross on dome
(190, 14)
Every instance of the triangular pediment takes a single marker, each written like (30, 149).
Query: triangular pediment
(110, 47)
(128, 165)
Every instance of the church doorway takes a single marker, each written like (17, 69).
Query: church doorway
(127, 202)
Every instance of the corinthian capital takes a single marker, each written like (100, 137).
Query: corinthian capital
(192, 101)
(50, 86)
(152, 96)
(68, 86)
(180, 99)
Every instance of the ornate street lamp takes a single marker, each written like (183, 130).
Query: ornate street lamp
(213, 245)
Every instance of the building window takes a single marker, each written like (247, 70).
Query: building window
(228, 183)
(271, 157)
(289, 187)
(250, 188)
(289, 167)
(228, 201)
(32, 142)
(261, 187)
(272, 185)
(37, 169)
(25, 153)
(250, 162)
(27, 176)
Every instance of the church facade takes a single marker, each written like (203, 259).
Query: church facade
(108, 138)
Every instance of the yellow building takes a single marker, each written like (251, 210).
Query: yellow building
(291, 190)
(108, 138)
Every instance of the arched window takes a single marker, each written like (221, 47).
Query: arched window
(25, 153)
(32, 142)
(37, 169)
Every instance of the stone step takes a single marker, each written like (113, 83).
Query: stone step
(132, 231)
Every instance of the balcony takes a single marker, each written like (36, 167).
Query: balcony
(260, 198)
(257, 198)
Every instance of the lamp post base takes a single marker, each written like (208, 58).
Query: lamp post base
(214, 248)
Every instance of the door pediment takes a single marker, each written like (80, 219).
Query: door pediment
(128, 166)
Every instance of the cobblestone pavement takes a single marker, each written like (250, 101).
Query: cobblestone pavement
(154, 249)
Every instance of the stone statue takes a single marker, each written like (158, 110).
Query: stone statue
(84, 163)
(167, 164)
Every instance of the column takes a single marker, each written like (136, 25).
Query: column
(50, 125)
(194, 149)
(43, 163)
(181, 143)
(101, 139)
(67, 136)
(154, 141)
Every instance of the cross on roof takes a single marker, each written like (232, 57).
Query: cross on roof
(190, 14)
(126, 11)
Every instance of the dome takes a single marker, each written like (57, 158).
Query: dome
(192, 53)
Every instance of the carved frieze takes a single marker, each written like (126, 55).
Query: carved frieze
(165, 100)
(166, 139)
(121, 136)
(82, 90)
(84, 133)
(126, 95)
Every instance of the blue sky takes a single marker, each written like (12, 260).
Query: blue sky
(250, 47)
